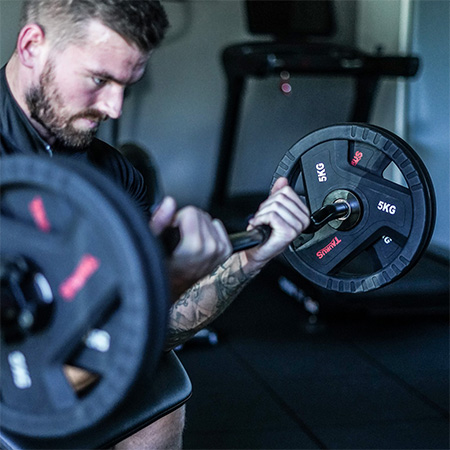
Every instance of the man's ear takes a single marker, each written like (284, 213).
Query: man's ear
(30, 44)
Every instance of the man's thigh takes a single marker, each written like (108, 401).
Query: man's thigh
(165, 433)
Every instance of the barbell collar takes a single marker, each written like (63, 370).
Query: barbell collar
(327, 213)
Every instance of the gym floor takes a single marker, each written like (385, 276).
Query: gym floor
(351, 380)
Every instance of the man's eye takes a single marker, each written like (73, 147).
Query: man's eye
(99, 81)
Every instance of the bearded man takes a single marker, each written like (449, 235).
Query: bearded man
(72, 63)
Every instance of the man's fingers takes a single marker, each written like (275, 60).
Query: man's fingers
(286, 204)
(163, 216)
(279, 184)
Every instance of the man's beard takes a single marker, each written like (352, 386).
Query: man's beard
(46, 107)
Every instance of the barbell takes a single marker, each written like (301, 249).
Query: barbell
(83, 282)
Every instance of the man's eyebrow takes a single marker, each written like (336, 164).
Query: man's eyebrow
(107, 76)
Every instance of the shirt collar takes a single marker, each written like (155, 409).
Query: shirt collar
(15, 128)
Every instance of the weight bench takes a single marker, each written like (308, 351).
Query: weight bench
(169, 389)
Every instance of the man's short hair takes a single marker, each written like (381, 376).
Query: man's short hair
(139, 22)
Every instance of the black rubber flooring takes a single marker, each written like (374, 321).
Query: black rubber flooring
(351, 380)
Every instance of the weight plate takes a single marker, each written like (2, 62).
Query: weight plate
(395, 195)
(110, 296)
(150, 252)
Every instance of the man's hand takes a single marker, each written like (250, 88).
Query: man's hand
(286, 214)
(204, 243)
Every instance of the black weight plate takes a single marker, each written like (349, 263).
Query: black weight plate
(397, 201)
(79, 232)
(150, 252)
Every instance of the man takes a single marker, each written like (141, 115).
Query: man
(72, 63)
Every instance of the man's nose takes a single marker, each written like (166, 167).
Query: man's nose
(111, 101)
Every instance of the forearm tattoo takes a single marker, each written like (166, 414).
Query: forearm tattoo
(206, 300)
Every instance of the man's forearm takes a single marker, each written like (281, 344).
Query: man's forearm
(206, 300)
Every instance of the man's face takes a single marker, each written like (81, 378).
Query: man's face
(46, 105)
(83, 85)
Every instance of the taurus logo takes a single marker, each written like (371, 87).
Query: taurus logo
(356, 158)
(75, 282)
(327, 249)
